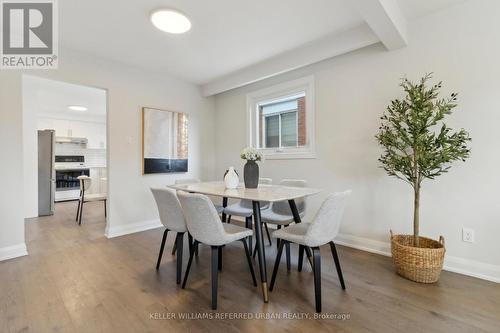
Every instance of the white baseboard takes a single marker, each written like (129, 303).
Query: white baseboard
(463, 266)
(364, 244)
(132, 228)
(453, 264)
(14, 251)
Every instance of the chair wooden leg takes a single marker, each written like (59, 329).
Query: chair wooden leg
(301, 257)
(161, 248)
(174, 248)
(179, 241)
(268, 235)
(105, 209)
(190, 240)
(277, 240)
(228, 219)
(188, 268)
(219, 260)
(215, 272)
(309, 255)
(337, 264)
(288, 265)
(249, 260)
(81, 213)
(317, 277)
(276, 265)
(78, 210)
(248, 225)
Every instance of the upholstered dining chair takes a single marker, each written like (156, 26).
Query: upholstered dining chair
(205, 226)
(321, 231)
(244, 208)
(281, 215)
(172, 217)
(85, 185)
(219, 208)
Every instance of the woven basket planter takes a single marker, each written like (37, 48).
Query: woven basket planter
(420, 264)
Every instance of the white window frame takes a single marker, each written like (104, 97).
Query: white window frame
(277, 92)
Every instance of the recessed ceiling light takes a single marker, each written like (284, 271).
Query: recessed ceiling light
(77, 108)
(171, 21)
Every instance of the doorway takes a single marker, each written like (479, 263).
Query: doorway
(65, 143)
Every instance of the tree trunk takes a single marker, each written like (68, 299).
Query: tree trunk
(416, 216)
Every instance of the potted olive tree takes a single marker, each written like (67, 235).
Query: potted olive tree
(419, 146)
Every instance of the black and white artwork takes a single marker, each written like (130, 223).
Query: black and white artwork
(164, 141)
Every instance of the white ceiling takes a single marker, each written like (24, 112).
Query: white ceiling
(226, 36)
(51, 98)
(418, 8)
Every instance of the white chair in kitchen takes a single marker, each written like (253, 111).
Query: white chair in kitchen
(321, 231)
(204, 224)
(244, 208)
(85, 185)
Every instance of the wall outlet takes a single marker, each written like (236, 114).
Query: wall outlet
(467, 235)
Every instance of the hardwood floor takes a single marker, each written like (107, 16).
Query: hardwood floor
(76, 280)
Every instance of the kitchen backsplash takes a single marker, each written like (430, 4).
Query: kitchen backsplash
(94, 158)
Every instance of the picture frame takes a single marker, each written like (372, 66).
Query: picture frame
(165, 141)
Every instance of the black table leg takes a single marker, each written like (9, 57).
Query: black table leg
(224, 204)
(297, 219)
(259, 240)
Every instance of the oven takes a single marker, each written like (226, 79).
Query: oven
(68, 168)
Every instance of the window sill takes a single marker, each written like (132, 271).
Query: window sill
(288, 155)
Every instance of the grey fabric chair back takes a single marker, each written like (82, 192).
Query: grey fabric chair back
(202, 219)
(325, 226)
(283, 207)
(169, 208)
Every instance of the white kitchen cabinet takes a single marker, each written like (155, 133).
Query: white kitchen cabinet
(96, 136)
(62, 127)
(94, 132)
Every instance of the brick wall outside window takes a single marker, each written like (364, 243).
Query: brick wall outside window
(261, 128)
(182, 136)
(301, 121)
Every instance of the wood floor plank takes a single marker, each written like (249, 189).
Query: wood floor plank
(76, 280)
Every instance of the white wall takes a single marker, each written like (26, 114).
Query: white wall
(131, 206)
(11, 172)
(460, 46)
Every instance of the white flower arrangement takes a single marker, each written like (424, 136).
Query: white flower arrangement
(251, 154)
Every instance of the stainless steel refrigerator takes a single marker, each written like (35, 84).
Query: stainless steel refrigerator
(46, 172)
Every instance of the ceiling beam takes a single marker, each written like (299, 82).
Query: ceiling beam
(310, 53)
(386, 20)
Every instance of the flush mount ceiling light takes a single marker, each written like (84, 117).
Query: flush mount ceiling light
(77, 108)
(171, 21)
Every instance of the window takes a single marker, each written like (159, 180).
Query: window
(281, 120)
(278, 123)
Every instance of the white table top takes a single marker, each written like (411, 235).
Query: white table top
(269, 193)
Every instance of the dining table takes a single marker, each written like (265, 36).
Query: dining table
(263, 193)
